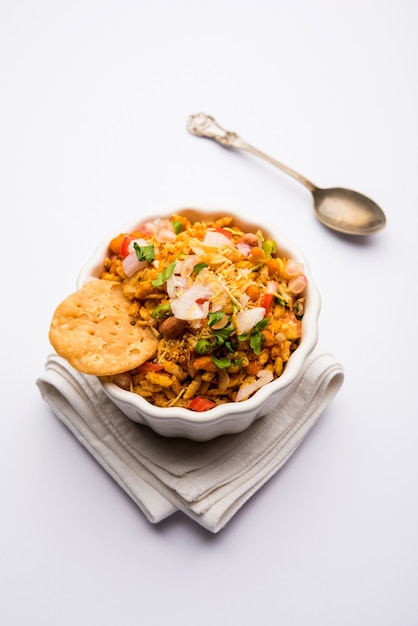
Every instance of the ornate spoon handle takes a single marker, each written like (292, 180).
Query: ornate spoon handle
(204, 125)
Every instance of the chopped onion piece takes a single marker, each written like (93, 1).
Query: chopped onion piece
(216, 239)
(244, 248)
(165, 232)
(293, 267)
(176, 285)
(218, 302)
(246, 390)
(140, 242)
(165, 235)
(131, 264)
(247, 319)
(272, 286)
(192, 304)
(186, 266)
(297, 283)
(148, 229)
(244, 300)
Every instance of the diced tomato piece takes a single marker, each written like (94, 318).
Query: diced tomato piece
(148, 366)
(267, 301)
(201, 404)
(225, 232)
(124, 245)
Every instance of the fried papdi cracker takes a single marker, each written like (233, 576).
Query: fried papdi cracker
(92, 330)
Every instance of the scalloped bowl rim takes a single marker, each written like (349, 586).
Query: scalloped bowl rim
(252, 405)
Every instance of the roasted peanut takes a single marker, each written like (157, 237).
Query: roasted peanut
(124, 381)
(250, 239)
(173, 327)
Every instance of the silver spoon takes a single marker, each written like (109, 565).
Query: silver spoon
(341, 209)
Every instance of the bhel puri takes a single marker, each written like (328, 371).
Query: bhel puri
(189, 311)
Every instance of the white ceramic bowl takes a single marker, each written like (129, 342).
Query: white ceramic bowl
(231, 417)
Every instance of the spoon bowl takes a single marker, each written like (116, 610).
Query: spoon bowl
(348, 211)
(340, 209)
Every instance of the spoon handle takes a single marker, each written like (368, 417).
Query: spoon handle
(204, 125)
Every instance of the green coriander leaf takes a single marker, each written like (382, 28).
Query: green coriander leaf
(256, 339)
(164, 275)
(144, 253)
(215, 317)
(221, 363)
(262, 323)
(223, 333)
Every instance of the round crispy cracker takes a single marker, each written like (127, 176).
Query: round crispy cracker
(92, 330)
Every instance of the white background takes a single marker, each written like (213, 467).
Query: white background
(94, 99)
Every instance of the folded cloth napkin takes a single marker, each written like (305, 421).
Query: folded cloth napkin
(209, 481)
